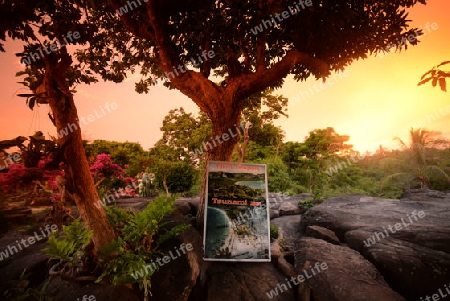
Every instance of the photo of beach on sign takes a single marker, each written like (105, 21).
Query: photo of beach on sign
(236, 213)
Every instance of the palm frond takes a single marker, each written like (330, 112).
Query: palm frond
(401, 142)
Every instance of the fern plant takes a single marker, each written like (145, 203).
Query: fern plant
(139, 237)
(68, 244)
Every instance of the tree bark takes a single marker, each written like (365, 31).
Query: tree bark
(226, 132)
(79, 182)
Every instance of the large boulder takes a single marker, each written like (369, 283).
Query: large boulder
(336, 273)
(408, 240)
(188, 205)
(277, 199)
(322, 233)
(290, 208)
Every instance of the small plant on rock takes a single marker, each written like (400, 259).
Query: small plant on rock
(68, 246)
(273, 231)
(139, 237)
(307, 204)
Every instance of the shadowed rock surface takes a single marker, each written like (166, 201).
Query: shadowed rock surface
(62, 290)
(30, 258)
(243, 281)
(289, 228)
(413, 262)
(348, 275)
(414, 259)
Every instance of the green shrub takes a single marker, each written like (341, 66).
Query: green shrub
(308, 203)
(279, 179)
(68, 244)
(139, 236)
(181, 177)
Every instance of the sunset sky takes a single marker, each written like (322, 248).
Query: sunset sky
(375, 100)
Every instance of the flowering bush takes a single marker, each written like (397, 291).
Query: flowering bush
(107, 174)
(103, 167)
(19, 176)
(129, 180)
(56, 197)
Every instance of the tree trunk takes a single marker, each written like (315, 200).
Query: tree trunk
(226, 132)
(166, 188)
(79, 182)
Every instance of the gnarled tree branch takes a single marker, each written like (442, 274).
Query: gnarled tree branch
(261, 79)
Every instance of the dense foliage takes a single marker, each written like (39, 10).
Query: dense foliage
(140, 234)
(130, 154)
(181, 177)
(324, 164)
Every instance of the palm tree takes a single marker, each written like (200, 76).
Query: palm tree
(418, 167)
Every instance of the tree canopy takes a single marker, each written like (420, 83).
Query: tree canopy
(218, 53)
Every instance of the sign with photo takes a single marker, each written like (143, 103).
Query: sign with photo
(236, 213)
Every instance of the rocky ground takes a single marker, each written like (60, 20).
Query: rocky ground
(373, 249)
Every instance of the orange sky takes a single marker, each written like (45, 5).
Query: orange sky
(376, 100)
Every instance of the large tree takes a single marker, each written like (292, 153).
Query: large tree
(220, 52)
(216, 52)
(189, 135)
(307, 161)
(187, 44)
(46, 28)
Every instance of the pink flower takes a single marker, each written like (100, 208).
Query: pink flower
(103, 167)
